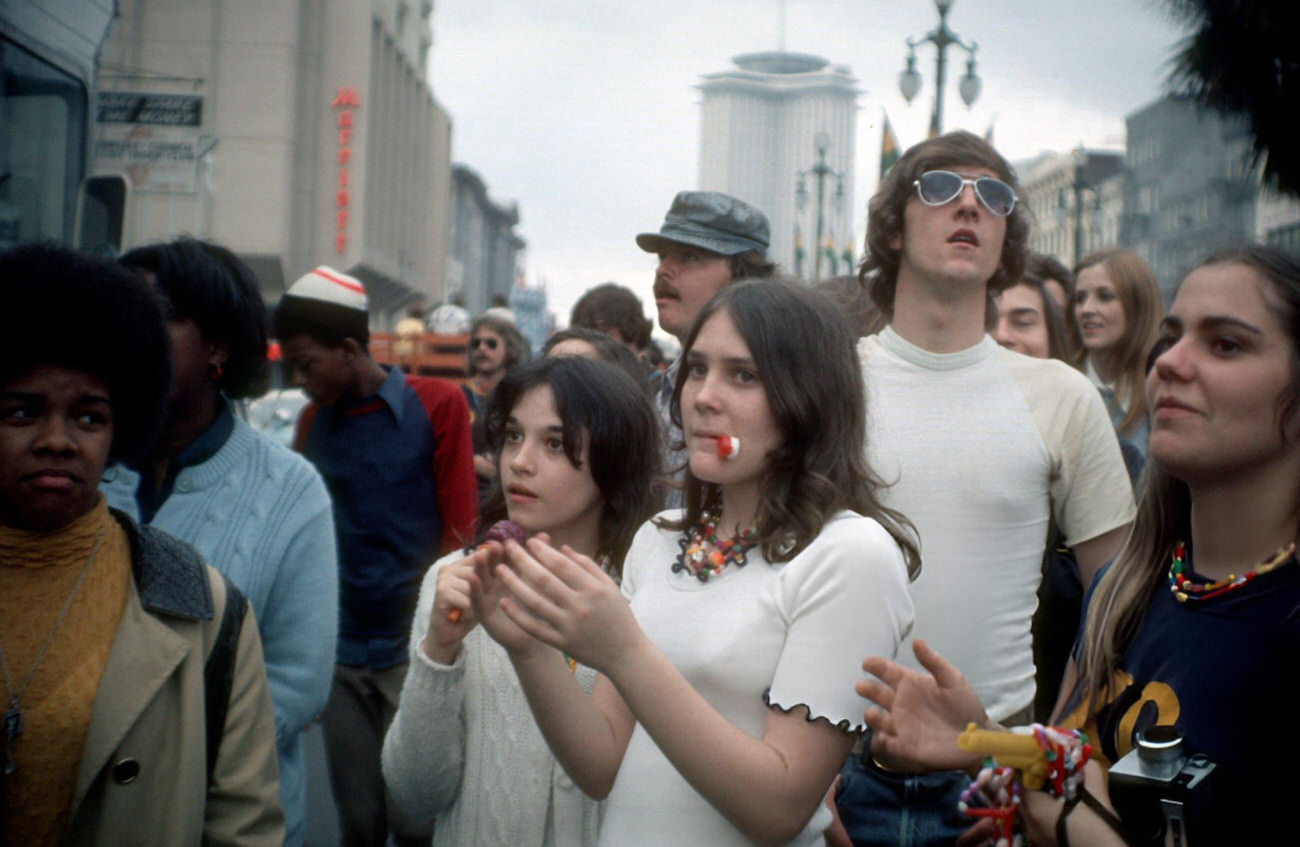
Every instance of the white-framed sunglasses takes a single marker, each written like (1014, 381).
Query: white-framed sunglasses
(937, 188)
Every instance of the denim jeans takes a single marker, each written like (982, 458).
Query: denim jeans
(878, 807)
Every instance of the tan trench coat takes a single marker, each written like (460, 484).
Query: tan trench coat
(143, 776)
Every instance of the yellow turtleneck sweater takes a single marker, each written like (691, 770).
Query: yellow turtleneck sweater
(37, 572)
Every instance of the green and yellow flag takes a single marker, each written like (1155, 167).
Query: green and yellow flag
(889, 152)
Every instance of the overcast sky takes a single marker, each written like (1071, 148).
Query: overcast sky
(585, 112)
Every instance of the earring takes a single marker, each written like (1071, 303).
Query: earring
(215, 372)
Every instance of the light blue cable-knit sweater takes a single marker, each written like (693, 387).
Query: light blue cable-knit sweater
(260, 514)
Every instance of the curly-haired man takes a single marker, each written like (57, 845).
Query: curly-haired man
(986, 447)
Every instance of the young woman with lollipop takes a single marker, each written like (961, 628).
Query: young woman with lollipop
(718, 716)
(576, 449)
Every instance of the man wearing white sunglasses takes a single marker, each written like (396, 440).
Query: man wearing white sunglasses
(985, 445)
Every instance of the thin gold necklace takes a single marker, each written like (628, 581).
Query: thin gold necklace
(12, 723)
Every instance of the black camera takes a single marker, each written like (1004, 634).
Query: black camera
(1163, 795)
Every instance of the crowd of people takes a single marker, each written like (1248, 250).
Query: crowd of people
(752, 595)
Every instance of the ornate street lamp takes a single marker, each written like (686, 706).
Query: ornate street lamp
(909, 81)
(821, 170)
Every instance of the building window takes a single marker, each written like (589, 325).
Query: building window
(1286, 238)
(42, 144)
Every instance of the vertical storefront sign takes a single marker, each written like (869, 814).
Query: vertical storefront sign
(345, 103)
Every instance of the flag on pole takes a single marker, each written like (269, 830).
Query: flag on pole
(889, 152)
(798, 252)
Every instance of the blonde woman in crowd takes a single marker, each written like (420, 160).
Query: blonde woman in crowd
(1116, 313)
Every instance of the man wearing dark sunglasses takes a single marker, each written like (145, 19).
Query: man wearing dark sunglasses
(986, 446)
(495, 346)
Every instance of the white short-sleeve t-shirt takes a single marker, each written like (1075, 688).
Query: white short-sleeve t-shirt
(787, 634)
(980, 448)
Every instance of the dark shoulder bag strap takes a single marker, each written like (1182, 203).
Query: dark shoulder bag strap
(219, 670)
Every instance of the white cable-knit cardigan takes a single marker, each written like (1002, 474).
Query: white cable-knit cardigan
(464, 748)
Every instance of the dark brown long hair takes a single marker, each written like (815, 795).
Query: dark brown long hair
(804, 351)
(600, 405)
(879, 268)
(1122, 597)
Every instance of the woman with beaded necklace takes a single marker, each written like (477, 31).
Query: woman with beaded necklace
(575, 447)
(1196, 623)
(724, 704)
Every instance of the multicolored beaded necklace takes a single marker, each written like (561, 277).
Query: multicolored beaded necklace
(703, 555)
(1185, 590)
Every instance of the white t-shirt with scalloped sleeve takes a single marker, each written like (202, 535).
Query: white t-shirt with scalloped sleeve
(787, 634)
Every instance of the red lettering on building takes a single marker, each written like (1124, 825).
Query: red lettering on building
(346, 100)
(346, 96)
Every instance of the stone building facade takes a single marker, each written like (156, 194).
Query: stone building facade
(296, 132)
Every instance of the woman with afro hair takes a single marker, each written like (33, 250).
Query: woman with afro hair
(135, 704)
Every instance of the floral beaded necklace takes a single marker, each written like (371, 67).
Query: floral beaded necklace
(1186, 590)
(703, 555)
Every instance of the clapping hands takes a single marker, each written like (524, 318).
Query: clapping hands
(919, 715)
(558, 597)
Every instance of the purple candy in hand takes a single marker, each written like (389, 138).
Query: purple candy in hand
(501, 531)
(504, 531)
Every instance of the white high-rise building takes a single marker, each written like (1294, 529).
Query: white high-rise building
(761, 123)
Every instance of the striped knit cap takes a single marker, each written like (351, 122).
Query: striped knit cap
(330, 286)
(327, 305)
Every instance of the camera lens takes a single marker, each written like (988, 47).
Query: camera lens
(1161, 749)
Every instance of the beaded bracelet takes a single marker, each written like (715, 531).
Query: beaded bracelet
(1037, 756)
